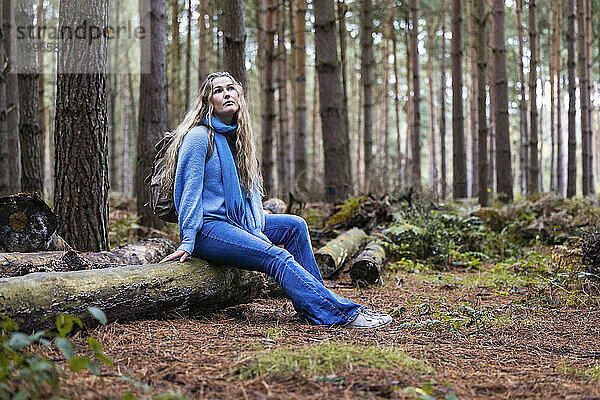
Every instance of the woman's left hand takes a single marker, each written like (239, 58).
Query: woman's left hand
(181, 254)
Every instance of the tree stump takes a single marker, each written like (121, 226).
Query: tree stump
(366, 268)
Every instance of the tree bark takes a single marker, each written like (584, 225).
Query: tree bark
(473, 104)
(283, 161)
(481, 21)
(503, 158)
(416, 95)
(557, 33)
(341, 9)
(572, 145)
(584, 99)
(534, 171)
(336, 144)
(524, 151)
(367, 62)
(81, 180)
(4, 151)
(366, 268)
(459, 161)
(300, 156)
(386, 165)
(152, 114)
(431, 142)
(125, 158)
(234, 35)
(443, 88)
(126, 293)
(399, 156)
(332, 257)
(203, 48)
(29, 129)
(148, 251)
(188, 55)
(175, 66)
(12, 103)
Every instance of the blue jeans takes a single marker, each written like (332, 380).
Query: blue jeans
(294, 267)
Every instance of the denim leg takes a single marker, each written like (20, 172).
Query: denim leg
(222, 243)
(291, 231)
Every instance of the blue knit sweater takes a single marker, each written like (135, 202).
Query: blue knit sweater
(198, 191)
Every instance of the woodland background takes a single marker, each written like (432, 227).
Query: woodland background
(456, 98)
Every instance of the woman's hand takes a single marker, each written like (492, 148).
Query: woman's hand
(181, 254)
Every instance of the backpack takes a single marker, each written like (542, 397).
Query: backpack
(161, 203)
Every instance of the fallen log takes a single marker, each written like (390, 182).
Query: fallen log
(331, 257)
(145, 252)
(366, 268)
(126, 293)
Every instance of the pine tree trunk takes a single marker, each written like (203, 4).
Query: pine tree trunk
(203, 48)
(30, 135)
(503, 158)
(4, 152)
(335, 140)
(188, 55)
(81, 180)
(590, 134)
(534, 171)
(459, 161)
(481, 21)
(557, 33)
(341, 9)
(552, 74)
(282, 155)
(397, 110)
(443, 87)
(524, 131)
(152, 115)
(386, 170)
(125, 159)
(300, 161)
(473, 104)
(416, 131)
(12, 103)
(41, 107)
(431, 143)
(234, 35)
(175, 66)
(571, 141)
(316, 185)
(409, 113)
(267, 18)
(492, 106)
(367, 62)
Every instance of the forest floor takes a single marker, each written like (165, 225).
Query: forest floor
(517, 325)
(468, 340)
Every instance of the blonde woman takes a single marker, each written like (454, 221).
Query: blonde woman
(219, 206)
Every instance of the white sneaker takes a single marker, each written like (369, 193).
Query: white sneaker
(369, 319)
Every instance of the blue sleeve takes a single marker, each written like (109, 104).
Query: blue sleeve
(189, 182)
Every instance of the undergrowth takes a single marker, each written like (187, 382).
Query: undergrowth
(326, 359)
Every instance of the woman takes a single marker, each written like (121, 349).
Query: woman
(221, 219)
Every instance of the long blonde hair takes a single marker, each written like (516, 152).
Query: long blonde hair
(247, 160)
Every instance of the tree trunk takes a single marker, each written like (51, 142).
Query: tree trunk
(443, 87)
(300, 161)
(188, 55)
(125, 146)
(386, 165)
(503, 158)
(152, 114)
(42, 111)
(534, 171)
(557, 33)
(111, 89)
(175, 66)
(148, 251)
(335, 140)
(203, 48)
(459, 161)
(590, 133)
(316, 185)
(584, 99)
(397, 119)
(572, 145)
(367, 62)
(552, 74)
(267, 60)
(126, 293)
(12, 103)
(491, 116)
(416, 131)
(524, 151)
(366, 268)
(29, 130)
(481, 21)
(473, 104)
(409, 106)
(341, 9)
(282, 78)
(431, 143)
(332, 257)
(234, 35)
(4, 151)
(81, 180)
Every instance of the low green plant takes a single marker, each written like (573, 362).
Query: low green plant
(348, 210)
(27, 374)
(327, 359)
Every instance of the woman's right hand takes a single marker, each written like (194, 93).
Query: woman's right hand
(181, 254)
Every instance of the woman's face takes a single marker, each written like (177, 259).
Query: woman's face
(225, 99)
